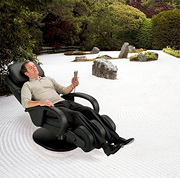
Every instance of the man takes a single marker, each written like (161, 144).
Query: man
(44, 91)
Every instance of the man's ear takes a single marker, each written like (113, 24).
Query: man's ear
(26, 73)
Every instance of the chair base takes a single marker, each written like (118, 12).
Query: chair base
(48, 140)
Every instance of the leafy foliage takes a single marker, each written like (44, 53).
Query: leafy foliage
(144, 35)
(111, 25)
(18, 33)
(150, 7)
(156, 9)
(166, 29)
(58, 32)
(61, 26)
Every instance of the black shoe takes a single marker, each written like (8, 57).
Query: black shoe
(123, 141)
(111, 149)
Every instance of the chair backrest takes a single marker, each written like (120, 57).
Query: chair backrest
(15, 79)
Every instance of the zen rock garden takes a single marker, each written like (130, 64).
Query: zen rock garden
(103, 68)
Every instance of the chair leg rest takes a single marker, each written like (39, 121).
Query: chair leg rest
(109, 122)
(48, 140)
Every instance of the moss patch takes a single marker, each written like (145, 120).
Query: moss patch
(75, 53)
(150, 56)
(172, 52)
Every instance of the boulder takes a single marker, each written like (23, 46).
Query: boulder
(80, 58)
(95, 50)
(124, 51)
(104, 69)
(142, 57)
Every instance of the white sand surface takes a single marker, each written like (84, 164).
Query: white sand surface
(144, 102)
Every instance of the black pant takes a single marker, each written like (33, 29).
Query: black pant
(81, 115)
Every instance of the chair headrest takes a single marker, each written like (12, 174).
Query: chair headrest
(17, 76)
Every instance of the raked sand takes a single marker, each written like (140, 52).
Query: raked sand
(144, 102)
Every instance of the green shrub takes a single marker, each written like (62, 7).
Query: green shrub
(166, 29)
(172, 52)
(144, 36)
(19, 37)
(111, 25)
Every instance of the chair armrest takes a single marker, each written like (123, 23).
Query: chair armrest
(38, 116)
(91, 99)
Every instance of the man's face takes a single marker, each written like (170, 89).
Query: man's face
(32, 71)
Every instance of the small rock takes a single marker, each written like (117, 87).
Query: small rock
(95, 50)
(80, 58)
(124, 51)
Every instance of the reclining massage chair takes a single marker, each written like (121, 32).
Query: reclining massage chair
(54, 133)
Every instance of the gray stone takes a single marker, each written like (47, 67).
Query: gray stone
(95, 50)
(124, 51)
(104, 69)
(142, 57)
(132, 49)
(80, 58)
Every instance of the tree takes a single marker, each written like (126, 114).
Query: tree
(166, 29)
(18, 33)
(61, 26)
(144, 35)
(111, 25)
(151, 7)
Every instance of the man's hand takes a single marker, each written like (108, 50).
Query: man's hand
(40, 103)
(46, 103)
(75, 82)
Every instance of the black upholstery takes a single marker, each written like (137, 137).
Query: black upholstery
(16, 79)
(17, 76)
(54, 132)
